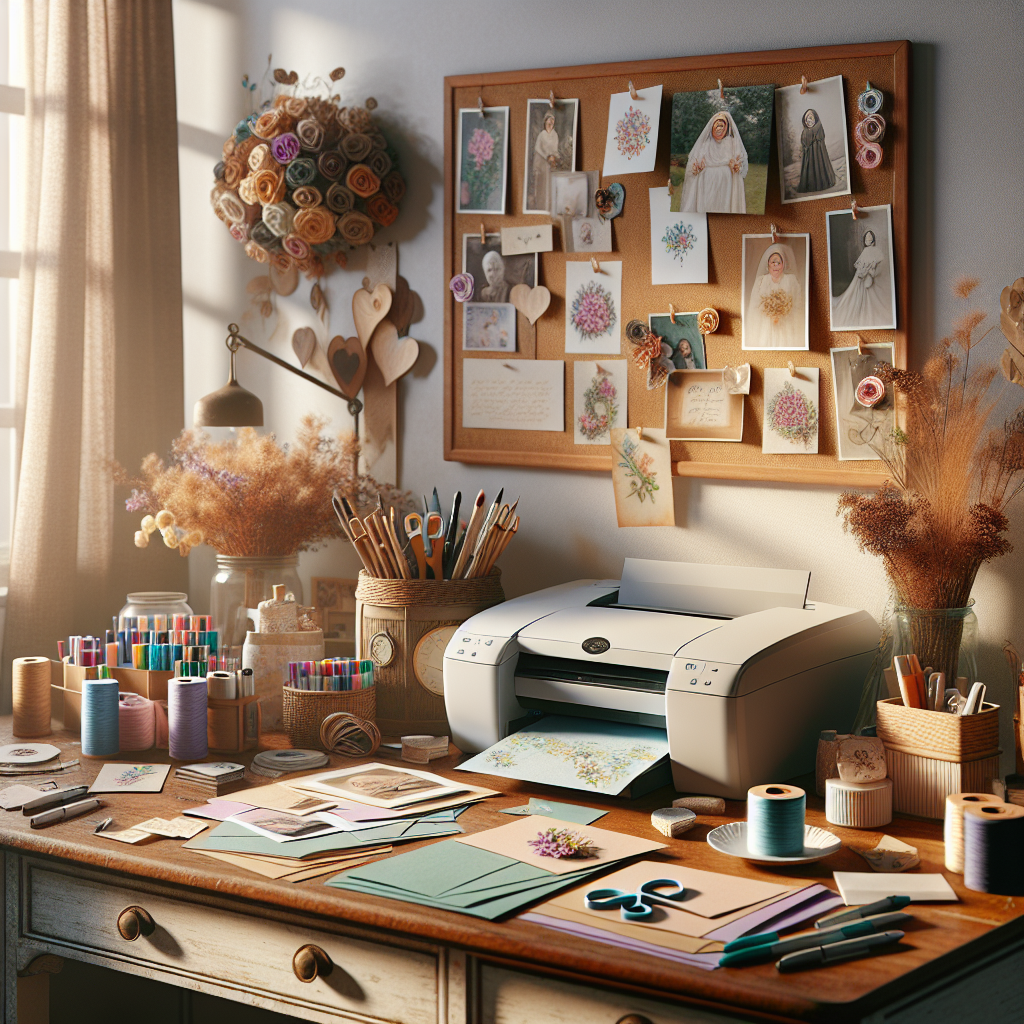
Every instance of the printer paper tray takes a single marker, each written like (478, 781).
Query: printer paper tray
(590, 701)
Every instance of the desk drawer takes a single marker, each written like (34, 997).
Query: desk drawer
(238, 956)
(511, 997)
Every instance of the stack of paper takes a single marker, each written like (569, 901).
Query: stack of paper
(209, 780)
(492, 873)
(717, 908)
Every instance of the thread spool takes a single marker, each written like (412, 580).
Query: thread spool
(136, 722)
(186, 718)
(101, 736)
(994, 848)
(858, 804)
(341, 732)
(775, 820)
(701, 804)
(30, 684)
(953, 825)
(221, 686)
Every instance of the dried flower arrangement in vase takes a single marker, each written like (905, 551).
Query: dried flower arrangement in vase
(943, 514)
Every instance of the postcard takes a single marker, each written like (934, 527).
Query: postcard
(642, 477)
(593, 301)
(861, 430)
(679, 243)
(526, 238)
(381, 786)
(526, 394)
(790, 411)
(632, 143)
(488, 327)
(550, 147)
(599, 399)
(482, 155)
(699, 407)
(130, 778)
(861, 277)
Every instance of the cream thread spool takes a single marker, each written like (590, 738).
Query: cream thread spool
(775, 820)
(858, 804)
(953, 825)
(30, 693)
(221, 686)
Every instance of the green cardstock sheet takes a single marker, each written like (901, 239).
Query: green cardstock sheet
(553, 809)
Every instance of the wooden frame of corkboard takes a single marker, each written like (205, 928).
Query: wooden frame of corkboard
(885, 65)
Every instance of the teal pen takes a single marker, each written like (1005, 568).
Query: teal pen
(822, 956)
(770, 950)
(765, 938)
(868, 910)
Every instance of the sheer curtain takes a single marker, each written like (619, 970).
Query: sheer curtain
(99, 347)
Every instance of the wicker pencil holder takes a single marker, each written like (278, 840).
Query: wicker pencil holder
(304, 710)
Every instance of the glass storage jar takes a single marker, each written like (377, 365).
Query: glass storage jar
(154, 602)
(240, 583)
(946, 639)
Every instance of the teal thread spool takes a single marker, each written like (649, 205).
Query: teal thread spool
(775, 820)
(101, 735)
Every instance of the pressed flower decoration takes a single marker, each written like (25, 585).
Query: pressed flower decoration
(593, 311)
(792, 415)
(600, 406)
(562, 843)
(678, 240)
(633, 133)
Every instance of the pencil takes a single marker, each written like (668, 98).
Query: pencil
(476, 520)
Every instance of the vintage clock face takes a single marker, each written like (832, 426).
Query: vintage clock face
(382, 649)
(428, 659)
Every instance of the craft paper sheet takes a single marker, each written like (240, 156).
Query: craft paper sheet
(642, 478)
(593, 307)
(632, 142)
(524, 394)
(791, 406)
(483, 160)
(679, 243)
(861, 887)
(599, 757)
(599, 399)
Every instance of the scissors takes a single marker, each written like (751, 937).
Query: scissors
(426, 551)
(639, 905)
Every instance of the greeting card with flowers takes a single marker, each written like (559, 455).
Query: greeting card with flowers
(642, 477)
(632, 141)
(482, 153)
(599, 399)
(679, 243)
(593, 302)
(790, 411)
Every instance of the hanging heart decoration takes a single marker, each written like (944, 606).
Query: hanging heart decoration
(531, 302)
(369, 309)
(348, 364)
(395, 356)
(304, 344)
(403, 305)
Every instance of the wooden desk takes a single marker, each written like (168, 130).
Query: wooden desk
(225, 931)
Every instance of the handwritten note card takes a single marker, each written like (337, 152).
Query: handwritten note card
(526, 238)
(521, 394)
(698, 407)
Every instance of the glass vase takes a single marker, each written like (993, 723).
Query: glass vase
(239, 585)
(945, 639)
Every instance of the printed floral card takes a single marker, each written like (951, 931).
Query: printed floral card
(482, 154)
(599, 399)
(593, 300)
(632, 132)
(679, 243)
(642, 477)
(130, 778)
(790, 411)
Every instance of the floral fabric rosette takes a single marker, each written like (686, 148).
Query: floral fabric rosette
(304, 179)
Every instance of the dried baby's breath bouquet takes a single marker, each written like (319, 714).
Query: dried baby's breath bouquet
(776, 304)
(248, 496)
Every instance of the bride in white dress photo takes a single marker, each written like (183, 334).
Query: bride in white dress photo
(715, 169)
(776, 310)
(866, 303)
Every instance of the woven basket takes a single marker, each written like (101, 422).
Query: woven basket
(304, 710)
(937, 735)
(485, 590)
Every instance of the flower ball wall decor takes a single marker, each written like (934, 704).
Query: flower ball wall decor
(304, 179)
(593, 311)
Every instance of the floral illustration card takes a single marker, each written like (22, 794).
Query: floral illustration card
(790, 411)
(679, 243)
(483, 160)
(599, 404)
(593, 300)
(642, 477)
(632, 132)
(130, 778)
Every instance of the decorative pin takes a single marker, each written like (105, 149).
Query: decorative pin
(870, 100)
(708, 320)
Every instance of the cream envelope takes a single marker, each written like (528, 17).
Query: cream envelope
(267, 867)
(512, 840)
(278, 797)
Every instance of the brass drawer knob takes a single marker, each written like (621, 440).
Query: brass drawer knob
(311, 962)
(133, 922)
(634, 1018)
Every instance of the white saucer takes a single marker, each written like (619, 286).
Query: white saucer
(732, 839)
(28, 752)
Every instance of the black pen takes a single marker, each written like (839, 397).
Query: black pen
(54, 798)
(878, 907)
(822, 956)
(449, 540)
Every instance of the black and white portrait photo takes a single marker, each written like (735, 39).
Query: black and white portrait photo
(494, 276)
(861, 283)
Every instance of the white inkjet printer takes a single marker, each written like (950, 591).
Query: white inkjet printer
(734, 663)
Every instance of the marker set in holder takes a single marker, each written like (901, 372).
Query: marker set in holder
(331, 674)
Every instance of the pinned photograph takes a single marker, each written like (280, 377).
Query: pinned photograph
(572, 193)
(593, 301)
(488, 327)
(642, 477)
(632, 141)
(814, 151)
(587, 234)
(790, 411)
(550, 146)
(774, 286)
(679, 243)
(494, 276)
(865, 407)
(861, 282)
(482, 153)
(599, 399)
(719, 149)
(683, 337)
(699, 406)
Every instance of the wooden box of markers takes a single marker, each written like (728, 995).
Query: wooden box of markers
(146, 683)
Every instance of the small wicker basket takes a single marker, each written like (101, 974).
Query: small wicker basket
(304, 710)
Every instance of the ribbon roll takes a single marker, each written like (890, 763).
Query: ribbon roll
(871, 129)
(870, 100)
(137, 722)
(869, 156)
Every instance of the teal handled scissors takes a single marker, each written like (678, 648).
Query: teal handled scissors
(639, 905)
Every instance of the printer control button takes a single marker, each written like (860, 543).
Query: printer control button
(487, 643)
(693, 682)
(460, 651)
(466, 640)
(473, 653)
(696, 667)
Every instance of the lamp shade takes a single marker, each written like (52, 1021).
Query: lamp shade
(229, 406)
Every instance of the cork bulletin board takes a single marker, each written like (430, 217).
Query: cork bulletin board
(885, 65)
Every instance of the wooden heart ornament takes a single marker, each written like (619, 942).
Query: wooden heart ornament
(348, 364)
(395, 356)
(531, 302)
(368, 309)
(303, 343)
(403, 305)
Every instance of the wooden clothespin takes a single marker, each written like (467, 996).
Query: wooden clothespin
(792, 368)
(509, 366)
(721, 90)
(775, 234)
(633, 94)
(551, 99)
(672, 312)
(855, 209)
(483, 234)
(860, 346)
(595, 264)
(803, 84)
(480, 105)
(671, 187)
(639, 433)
